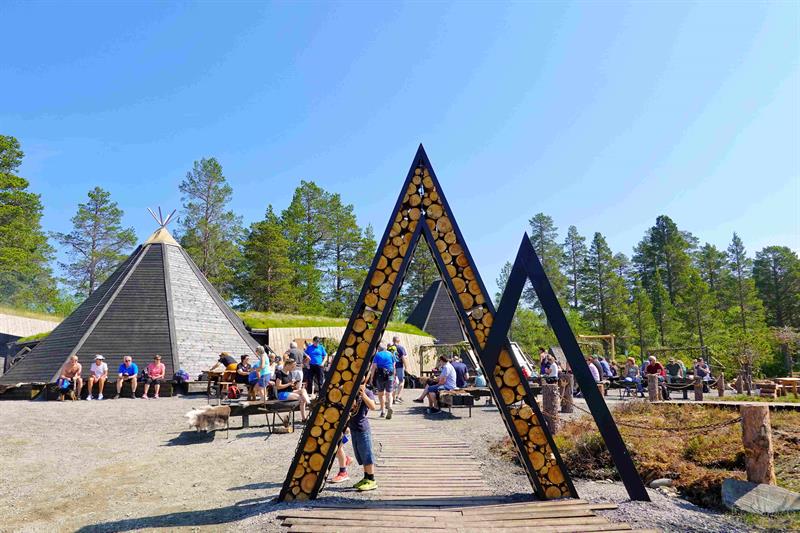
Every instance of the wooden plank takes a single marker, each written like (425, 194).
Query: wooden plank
(577, 528)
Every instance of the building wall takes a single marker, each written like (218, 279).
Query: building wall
(202, 330)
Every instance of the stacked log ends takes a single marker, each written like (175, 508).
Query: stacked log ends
(536, 446)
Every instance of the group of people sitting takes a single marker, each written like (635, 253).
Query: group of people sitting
(452, 374)
(70, 380)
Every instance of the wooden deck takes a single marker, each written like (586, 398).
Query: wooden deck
(416, 493)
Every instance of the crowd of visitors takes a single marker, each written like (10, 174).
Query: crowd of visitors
(70, 380)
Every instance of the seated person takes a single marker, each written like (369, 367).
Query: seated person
(127, 371)
(594, 369)
(480, 381)
(674, 371)
(657, 369)
(446, 381)
(155, 377)
(98, 373)
(633, 375)
(243, 375)
(552, 370)
(289, 388)
(71, 376)
(462, 372)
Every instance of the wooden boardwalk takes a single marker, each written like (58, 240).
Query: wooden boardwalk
(418, 491)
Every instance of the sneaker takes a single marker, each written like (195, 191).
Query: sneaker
(389, 414)
(100, 397)
(142, 397)
(369, 484)
(417, 400)
(89, 398)
(340, 477)
(155, 397)
(398, 400)
(383, 415)
(116, 396)
(359, 483)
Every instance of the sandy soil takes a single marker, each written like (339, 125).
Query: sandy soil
(130, 465)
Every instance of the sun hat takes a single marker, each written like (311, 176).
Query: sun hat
(98, 356)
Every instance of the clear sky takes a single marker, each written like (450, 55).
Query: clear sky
(601, 114)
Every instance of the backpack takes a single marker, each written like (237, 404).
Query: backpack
(181, 376)
(233, 392)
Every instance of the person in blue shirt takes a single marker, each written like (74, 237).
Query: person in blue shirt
(127, 371)
(382, 371)
(316, 358)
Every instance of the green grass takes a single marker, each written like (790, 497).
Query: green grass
(29, 314)
(789, 398)
(262, 320)
(36, 337)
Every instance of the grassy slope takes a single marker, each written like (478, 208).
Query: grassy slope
(30, 314)
(260, 320)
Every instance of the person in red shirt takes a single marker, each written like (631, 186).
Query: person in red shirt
(656, 368)
(155, 377)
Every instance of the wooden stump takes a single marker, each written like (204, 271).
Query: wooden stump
(551, 404)
(698, 389)
(757, 440)
(653, 390)
(566, 396)
(739, 384)
(721, 385)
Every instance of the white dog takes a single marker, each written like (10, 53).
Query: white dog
(209, 418)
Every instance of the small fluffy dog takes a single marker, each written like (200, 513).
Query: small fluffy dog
(209, 418)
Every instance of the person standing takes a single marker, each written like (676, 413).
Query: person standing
(361, 437)
(259, 374)
(295, 353)
(462, 372)
(382, 370)
(316, 360)
(127, 371)
(399, 368)
(155, 377)
(98, 373)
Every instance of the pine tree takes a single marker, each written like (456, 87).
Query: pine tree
(742, 286)
(25, 276)
(422, 272)
(697, 307)
(357, 271)
(264, 280)
(210, 232)
(776, 272)
(605, 296)
(711, 263)
(573, 258)
(342, 243)
(663, 311)
(641, 312)
(306, 227)
(544, 238)
(97, 242)
(665, 249)
(502, 281)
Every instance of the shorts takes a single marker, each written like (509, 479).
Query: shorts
(437, 388)
(362, 446)
(283, 395)
(384, 384)
(400, 372)
(155, 381)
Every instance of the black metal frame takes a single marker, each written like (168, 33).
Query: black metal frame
(528, 266)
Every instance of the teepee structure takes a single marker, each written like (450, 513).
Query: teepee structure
(156, 302)
(435, 314)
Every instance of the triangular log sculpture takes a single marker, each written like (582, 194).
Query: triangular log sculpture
(422, 210)
(528, 267)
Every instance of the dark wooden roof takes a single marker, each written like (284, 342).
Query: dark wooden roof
(129, 314)
(435, 314)
(41, 364)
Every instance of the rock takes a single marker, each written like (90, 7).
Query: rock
(758, 498)
(662, 482)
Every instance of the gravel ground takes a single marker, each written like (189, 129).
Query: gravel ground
(130, 465)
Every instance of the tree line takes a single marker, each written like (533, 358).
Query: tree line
(312, 256)
(671, 292)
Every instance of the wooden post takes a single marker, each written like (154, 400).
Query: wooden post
(721, 385)
(739, 385)
(757, 440)
(566, 397)
(698, 389)
(551, 400)
(653, 390)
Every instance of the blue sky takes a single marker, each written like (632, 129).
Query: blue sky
(601, 114)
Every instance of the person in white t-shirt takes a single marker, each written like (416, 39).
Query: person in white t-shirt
(98, 373)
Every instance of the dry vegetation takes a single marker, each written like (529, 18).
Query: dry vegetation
(697, 461)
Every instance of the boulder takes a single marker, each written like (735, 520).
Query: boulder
(758, 498)
(662, 482)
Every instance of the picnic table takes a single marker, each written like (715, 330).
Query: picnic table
(789, 383)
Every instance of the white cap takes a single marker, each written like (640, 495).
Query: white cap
(98, 356)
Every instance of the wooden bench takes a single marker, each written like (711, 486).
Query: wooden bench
(269, 408)
(768, 389)
(456, 398)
